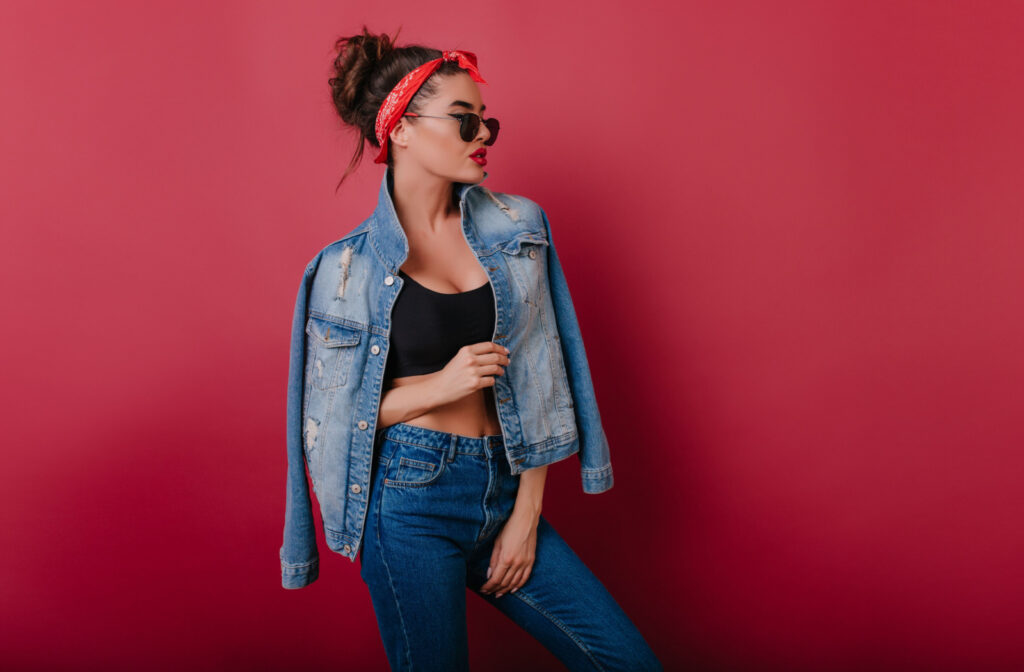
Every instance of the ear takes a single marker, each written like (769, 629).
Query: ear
(400, 133)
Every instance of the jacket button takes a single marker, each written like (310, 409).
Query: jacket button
(355, 488)
(375, 349)
(390, 280)
(347, 548)
(533, 253)
(363, 424)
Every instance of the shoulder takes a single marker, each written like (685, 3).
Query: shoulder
(523, 212)
(516, 206)
(347, 245)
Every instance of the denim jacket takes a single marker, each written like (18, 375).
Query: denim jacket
(339, 345)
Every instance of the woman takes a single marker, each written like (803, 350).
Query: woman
(451, 504)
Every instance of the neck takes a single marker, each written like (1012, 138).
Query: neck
(423, 201)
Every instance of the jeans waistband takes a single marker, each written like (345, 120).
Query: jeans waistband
(488, 444)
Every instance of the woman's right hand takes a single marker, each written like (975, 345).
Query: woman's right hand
(473, 367)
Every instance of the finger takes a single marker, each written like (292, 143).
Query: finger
(497, 574)
(511, 576)
(511, 582)
(489, 357)
(526, 577)
(496, 358)
(502, 586)
(519, 578)
(484, 347)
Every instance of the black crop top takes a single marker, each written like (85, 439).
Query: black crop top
(428, 327)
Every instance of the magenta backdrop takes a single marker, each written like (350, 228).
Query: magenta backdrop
(804, 219)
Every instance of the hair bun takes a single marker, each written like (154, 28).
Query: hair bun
(366, 67)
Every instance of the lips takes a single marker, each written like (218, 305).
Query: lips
(481, 153)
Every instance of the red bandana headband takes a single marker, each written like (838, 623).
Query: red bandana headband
(393, 107)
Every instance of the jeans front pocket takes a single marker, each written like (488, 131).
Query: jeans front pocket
(413, 466)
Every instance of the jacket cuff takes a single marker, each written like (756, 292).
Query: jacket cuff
(597, 480)
(301, 575)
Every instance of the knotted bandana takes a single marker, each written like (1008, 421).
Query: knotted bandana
(393, 107)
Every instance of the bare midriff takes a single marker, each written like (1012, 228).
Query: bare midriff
(473, 415)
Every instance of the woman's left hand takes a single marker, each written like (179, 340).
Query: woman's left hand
(513, 555)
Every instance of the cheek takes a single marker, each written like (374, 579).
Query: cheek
(452, 145)
(444, 148)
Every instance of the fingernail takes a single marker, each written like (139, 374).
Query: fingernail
(499, 594)
(507, 350)
(488, 572)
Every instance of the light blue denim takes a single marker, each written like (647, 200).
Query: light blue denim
(437, 504)
(340, 333)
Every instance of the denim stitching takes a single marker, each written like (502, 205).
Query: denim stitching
(561, 626)
(387, 570)
(485, 526)
(445, 449)
(407, 442)
(416, 484)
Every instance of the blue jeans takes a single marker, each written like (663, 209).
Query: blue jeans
(437, 503)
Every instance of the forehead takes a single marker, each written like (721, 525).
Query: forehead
(458, 87)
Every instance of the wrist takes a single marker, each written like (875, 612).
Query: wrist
(527, 509)
(432, 391)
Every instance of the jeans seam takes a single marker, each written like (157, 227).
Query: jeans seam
(413, 443)
(491, 467)
(391, 584)
(561, 626)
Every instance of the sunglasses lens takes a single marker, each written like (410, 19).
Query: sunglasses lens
(469, 127)
(492, 126)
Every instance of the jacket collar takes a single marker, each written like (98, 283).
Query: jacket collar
(386, 232)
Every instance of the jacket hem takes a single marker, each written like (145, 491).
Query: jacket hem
(337, 541)
(544, 453)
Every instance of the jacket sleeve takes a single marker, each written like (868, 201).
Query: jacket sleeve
(595, 460)
(300, 561)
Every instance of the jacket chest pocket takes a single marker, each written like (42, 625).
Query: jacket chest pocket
(526, 257)
(330, 350)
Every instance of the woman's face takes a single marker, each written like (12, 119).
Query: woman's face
(435, 144)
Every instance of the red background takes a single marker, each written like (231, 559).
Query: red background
(793, 232)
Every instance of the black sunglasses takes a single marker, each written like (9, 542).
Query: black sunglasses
(469, 124)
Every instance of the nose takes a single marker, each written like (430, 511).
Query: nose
(484, 133)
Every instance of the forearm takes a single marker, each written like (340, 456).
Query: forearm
(531, 492)
(405, 402)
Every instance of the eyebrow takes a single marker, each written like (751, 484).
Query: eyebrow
(462, 103)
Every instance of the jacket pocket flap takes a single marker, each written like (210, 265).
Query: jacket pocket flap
(529, 238)
(332, 334)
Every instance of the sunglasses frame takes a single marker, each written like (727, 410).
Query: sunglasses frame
(464, 124)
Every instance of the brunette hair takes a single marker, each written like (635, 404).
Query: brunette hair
(366, 68)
